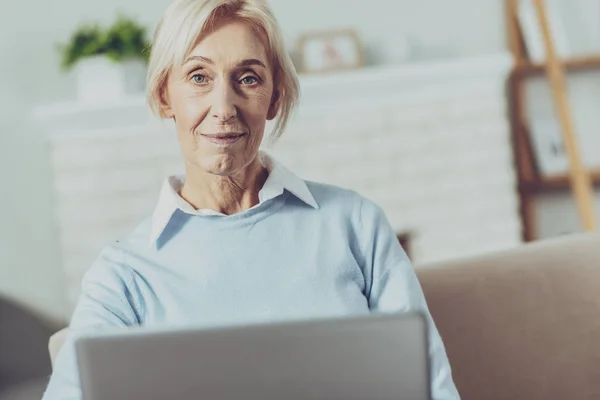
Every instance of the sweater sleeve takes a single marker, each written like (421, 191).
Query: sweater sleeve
(392, 286)
(106, 301)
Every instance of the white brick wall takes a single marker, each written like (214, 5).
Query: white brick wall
(429, 143)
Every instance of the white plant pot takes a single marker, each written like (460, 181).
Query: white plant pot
(101, 80)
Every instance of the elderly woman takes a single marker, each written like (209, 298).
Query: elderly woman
(239, 237)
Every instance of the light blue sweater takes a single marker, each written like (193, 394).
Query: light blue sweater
(284, 259)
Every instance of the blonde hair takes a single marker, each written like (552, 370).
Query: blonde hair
(185, 21)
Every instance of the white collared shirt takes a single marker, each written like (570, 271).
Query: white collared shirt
(279, 179)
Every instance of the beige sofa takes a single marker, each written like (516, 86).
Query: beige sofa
(520, 324)
(24, 364)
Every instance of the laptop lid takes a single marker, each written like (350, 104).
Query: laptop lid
(371, 357)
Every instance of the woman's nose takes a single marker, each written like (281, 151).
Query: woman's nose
(224, 107)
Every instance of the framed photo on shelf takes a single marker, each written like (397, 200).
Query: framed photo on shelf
(548, 146)
(544, 127)
(327, 51)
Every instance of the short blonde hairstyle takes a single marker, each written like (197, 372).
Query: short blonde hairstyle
(185, 21)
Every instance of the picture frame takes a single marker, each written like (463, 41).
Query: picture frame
(328, 51)
(543, 126)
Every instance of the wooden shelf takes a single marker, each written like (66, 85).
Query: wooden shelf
(531, 185)
(558, 182)
(572, 64)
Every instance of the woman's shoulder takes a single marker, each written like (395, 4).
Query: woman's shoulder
(331, 196)
(109, 269)
(140, 234)
(327, 194)
(118, 252)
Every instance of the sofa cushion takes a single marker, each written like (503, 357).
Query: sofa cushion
(23, 345)
(522, 324)
(27, 390)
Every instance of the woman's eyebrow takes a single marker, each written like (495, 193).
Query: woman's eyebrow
(199, 58)
(250, 62)
(244, 63)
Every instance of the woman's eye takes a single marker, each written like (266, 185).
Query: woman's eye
(199, 78)
(249, 80)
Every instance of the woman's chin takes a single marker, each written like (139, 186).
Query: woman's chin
(223, 164)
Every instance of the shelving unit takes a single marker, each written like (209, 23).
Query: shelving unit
(532, 183)
(525, 69)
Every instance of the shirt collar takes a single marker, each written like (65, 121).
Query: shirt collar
(279, 179)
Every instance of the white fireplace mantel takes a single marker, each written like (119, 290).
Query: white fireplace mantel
(420, 78)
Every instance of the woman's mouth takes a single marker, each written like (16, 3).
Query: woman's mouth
(224, 139)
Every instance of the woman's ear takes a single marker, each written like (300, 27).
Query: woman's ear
(274, 107)
(165, 107)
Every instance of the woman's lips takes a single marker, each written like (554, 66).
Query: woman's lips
(224, 139)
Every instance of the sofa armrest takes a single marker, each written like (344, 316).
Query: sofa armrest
(56, 342)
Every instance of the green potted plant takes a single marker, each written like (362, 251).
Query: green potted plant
(109, 63)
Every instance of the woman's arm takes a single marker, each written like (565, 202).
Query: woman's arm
(392, 286)
(107, 300)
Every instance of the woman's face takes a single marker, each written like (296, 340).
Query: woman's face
(221, 98)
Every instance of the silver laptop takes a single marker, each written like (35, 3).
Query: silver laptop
(358, 358)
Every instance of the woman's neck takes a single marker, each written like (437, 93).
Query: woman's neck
(225, 194)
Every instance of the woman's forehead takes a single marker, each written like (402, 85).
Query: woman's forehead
(232, 42)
